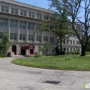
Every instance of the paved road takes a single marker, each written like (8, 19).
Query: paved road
(14, 77)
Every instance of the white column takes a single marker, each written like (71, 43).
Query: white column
(9, 28)
(0, 6)
(35, 34)
(9, 8)
(18, 31)
(27, 32)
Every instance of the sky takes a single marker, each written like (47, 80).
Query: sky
(39, 3)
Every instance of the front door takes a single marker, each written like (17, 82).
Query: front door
(14, 49)
(31, 51)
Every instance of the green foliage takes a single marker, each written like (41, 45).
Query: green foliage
(46, 47)
(87, 52)
(74, 62)
(4, 44)
(37, 54)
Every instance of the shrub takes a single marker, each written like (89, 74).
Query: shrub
(87, 53)
(37, 54)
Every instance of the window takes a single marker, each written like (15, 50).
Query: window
(14, 11)
(45, 38)
(39, 16)
(22, 37)
(39, 48)
(1, 34)
(38, 38)
(46, 17)
(3, 22)
(22, 25)
(13, 36)
(37, 26)
(32, 14)
(77, 42)
(30, 37)
(70, 41)
(23, 13)
(52, 39)
(31, 26)
(73, 41)
(13, 24)
(4, 9)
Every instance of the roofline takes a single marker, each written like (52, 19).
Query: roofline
(28, 6)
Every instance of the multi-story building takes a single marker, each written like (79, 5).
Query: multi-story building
(20, 21)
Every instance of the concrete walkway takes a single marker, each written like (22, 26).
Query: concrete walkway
(14, 77)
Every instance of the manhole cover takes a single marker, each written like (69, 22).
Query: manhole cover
(52, 82)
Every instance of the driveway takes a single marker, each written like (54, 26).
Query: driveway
(14, 77)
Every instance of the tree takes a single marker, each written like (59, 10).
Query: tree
(73, 8)
(46, 47)
(4, 44)
(58, 25)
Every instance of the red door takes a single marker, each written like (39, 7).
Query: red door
(31, 51)
(14, 49)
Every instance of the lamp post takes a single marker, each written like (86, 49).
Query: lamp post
(66, 37)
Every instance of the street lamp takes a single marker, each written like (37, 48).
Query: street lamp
(66, 37)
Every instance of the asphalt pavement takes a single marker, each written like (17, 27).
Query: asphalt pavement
(15, 77)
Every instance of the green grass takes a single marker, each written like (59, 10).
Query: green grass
(56, 62)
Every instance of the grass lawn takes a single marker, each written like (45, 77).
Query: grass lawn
(56, 62)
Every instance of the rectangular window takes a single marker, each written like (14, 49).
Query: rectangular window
(13, 36)
(22, 37)
(13, 24)
(39, 16)
(38, 38)
(22, 25)
(4, 9)
(14, 11)
(30, 37)
(3, 22)
(46, 17)
(52, 39)
(32, 14)
(1, 34)
(45, 38)
(23, 13)
(31, 26)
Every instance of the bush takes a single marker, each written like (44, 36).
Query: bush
(87, 53)
(37, 54)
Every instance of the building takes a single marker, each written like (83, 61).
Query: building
(20, 21)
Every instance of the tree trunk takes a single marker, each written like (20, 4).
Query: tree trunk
(83, 50)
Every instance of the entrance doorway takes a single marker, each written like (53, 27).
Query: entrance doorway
(14, 48)
(31, 51)
(23, 52)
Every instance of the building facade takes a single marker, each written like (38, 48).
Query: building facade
(20, 21)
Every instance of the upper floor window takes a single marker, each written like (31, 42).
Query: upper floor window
(39, 16)
(51, 39)
(13, 24)
(77, 42)
(32, 14)
(23, 13)
(46, 17)
(4, 9)
(3, 22)
(30, 37)
(45, 38)
(31, 26)
(1, 34)
(14, 11)
(13, 36)
(22, 25)
(38, 38)
(22, 37)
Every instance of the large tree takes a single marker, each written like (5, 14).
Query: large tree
(4, 44)
(79, 13)
(59, 25)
